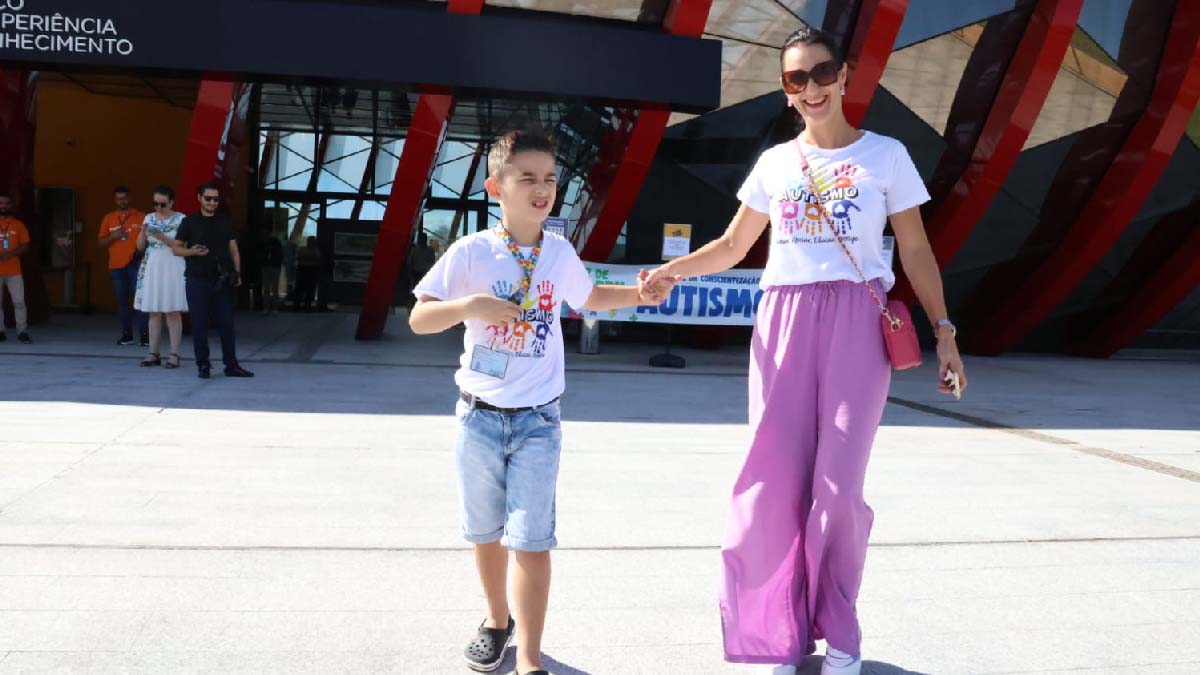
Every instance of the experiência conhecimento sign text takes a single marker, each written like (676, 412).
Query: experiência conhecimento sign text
(23, 29)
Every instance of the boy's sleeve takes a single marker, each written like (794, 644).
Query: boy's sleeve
(577, 283)
(184, 233)
(446, 281)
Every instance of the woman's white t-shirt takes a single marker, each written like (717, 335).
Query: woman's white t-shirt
(862, 184)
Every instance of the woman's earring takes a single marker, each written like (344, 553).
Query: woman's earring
(843, 89)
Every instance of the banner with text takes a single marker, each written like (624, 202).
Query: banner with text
(727, 299)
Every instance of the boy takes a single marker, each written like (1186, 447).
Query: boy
(507, 285)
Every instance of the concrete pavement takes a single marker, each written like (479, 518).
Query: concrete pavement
(305, 521)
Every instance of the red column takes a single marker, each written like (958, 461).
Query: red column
(422, 144)
(685, 18)
(1117, 198)
(209, 124)
(1043, 42)
(870, 47)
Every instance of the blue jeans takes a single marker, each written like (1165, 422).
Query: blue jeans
(507, 474)
(125, 285)
(209, 304)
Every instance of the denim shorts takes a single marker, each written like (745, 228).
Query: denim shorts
(507, 474)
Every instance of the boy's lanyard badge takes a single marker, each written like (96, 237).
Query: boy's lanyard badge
(489, 361)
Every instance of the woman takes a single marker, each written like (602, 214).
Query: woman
(796, 538)
(308, 267)
(160, 286)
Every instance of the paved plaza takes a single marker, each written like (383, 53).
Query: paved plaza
(305, 521)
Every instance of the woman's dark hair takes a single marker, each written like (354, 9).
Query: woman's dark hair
(165, 191)
(806, 35)
(792, 123)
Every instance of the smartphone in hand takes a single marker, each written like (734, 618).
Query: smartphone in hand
(953, 383)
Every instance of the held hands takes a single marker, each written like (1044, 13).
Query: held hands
(655, 286)
(949, 361)
(659, 275)
(197, 250)
(492, 310)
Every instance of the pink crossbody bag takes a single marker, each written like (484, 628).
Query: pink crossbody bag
(899, 334)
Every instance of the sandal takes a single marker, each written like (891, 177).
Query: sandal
(152, 360)
(486, 652)
(172, 362)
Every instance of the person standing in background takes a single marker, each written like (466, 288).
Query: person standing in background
(14, 241)
(119, 232)
(272, 267)
(308, 271)
(160, 286)
(213, 269)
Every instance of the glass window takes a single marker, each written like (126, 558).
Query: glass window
(926, 76)
(1083, 94)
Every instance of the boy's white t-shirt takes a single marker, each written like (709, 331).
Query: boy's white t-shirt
(481, 263)
(862, 184)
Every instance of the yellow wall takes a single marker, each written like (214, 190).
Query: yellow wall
(92, 143)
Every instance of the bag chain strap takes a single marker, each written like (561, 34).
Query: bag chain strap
(896, 322)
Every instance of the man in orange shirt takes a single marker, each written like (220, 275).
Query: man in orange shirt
(119, 234)
(14, 240)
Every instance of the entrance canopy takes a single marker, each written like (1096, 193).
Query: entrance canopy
(373, 44)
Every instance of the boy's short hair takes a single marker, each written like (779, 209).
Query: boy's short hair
(531, 139)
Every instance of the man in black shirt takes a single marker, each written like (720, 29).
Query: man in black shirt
(213, 269)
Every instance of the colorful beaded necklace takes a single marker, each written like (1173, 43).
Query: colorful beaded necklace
(528, 265)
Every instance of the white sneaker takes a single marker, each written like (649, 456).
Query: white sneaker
(840, 663)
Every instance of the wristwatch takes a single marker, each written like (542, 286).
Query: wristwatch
(946, 322)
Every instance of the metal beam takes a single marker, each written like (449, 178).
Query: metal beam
(314, 179)
(870, 47)
(685, 18)
(1118, 195)
(422, 145)
(213, 102)
(1163, 271)
(991, 118)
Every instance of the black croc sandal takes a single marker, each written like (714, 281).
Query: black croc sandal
(486, 652)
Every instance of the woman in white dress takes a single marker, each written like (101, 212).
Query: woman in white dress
(160, 287)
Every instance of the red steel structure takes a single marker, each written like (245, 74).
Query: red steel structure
(1161, 273)
(209, 119)
(871, 43)
(685, 18)
(1025, 301)
(991, 119)
(422, 144)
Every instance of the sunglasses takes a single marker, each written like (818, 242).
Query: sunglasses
(160, 205)
(824, 74)
(211, 199)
